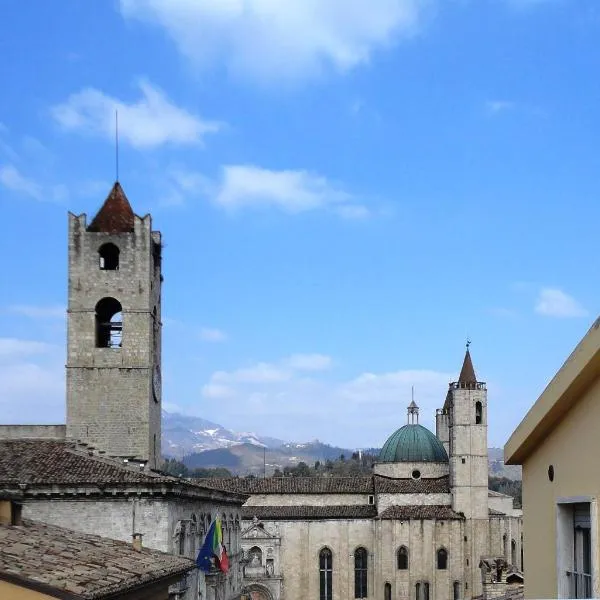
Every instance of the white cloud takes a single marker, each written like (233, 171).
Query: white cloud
(148, 122)
(12, 179)
(553, 302)
(14, 347)
(208, 334)
(39, 312)
(246, 186)
(494, 107)
(309, 362)
(366, 408)
(279, 40)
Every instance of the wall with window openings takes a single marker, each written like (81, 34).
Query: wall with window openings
(319, 558)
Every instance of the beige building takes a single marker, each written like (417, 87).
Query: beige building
(558, 443)
(417, 528)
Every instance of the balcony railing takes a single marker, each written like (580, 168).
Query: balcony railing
(580, 584)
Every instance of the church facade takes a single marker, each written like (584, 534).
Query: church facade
(418, 528)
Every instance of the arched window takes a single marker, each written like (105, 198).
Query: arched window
(504, 546)
(456, 590)
(442, 558)
(109, 323)
(255, 557)
(425, 590)
(387, 591)
(478, 413)
(325, 572)
(403, 558)
(109, 257)
(418, 590)
(360, 573)
(513, 553)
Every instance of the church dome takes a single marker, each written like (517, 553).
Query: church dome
(413, 443)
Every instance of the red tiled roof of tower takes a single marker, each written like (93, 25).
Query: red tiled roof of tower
(116, 214)
(467, 373)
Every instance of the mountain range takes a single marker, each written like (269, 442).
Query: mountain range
(202, 443)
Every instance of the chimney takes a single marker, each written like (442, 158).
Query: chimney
(137, 542)
(10, 513)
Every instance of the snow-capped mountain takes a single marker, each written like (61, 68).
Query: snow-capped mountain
(182, 435)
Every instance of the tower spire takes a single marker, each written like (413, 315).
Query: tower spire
(467, 375)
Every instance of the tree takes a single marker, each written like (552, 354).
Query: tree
(175, 467)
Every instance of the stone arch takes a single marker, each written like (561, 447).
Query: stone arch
(109, 323)
(256, 591)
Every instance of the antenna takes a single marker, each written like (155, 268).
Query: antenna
(117, 143)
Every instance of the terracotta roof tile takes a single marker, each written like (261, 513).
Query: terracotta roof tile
(293, 485)
(404, 513)
(37, 462)
(385, 485)
(467, 373)
(66, 560)
(290, 513)
(116, 214)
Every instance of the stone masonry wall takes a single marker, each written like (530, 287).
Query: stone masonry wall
(110, 399)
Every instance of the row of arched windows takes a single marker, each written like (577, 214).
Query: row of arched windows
(402, 558)
(361, 573)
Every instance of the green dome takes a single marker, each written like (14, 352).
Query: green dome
(413, 443)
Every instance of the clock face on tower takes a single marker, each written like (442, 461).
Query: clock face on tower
(156, 383)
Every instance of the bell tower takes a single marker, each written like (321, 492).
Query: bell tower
(466, 411)
(114, 331)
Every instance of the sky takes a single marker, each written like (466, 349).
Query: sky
(348, 190)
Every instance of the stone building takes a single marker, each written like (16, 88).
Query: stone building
(416, 528)
(98, 472)
(40, 561)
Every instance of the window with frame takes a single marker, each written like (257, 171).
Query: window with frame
(387, 591)
(442, 559)
(360, 572)
(403, 558)
(325, 574)
(456, 590)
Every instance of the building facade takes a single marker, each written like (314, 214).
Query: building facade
(416, 529)
(556, 444)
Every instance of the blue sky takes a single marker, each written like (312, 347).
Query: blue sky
(347, 189)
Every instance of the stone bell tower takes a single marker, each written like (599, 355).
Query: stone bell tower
(114, 331)
(465, 412)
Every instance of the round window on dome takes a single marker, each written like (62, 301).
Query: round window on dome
(416, 474)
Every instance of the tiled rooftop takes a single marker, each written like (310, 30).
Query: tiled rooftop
(288, 513)
(404, 513)
(87, 566)
(367, 484)
(115, 215)
(36, 463)
(385, 485)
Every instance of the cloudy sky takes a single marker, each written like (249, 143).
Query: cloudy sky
(347, 190)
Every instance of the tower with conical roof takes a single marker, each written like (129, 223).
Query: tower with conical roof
(465, 414)
(114, 331)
